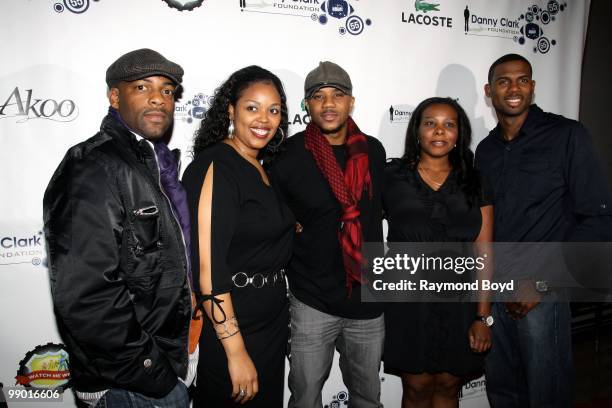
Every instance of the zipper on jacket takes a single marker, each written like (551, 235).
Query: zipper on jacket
(187, 265)
(146, 211)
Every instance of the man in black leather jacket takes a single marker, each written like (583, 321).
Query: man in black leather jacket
(117, 253)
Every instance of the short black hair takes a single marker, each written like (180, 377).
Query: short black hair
(508, 58)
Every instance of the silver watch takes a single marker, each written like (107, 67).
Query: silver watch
(486, 320)
(541, 286)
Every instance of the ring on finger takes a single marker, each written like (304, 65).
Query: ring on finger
(241, 393)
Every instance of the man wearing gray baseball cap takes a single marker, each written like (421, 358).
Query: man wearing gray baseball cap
(331, 177)
(116, 225)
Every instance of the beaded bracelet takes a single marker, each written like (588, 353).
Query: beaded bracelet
(227, 331)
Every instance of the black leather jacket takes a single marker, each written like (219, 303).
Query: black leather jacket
(117, 265)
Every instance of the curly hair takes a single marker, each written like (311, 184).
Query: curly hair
(461, 158)
(213, 127)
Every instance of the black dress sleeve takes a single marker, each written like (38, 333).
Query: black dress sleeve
(223, 223)
(225, 207)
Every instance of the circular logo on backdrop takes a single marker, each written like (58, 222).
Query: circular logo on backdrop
(354, 25)
(553, 7)
(184, 5)
(543, 45)
(77, 6)
(339, 400)
(45, 367)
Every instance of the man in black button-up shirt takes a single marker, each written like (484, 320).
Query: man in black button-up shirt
(547, 187)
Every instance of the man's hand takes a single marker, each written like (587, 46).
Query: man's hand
(480, 337)
(527, 297)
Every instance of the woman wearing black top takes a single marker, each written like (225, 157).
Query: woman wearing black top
(243, 234)
(433, 194)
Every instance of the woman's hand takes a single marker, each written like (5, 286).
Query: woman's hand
(480, 337)
(243, 375)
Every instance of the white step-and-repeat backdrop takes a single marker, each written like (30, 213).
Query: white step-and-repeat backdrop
(52, 95)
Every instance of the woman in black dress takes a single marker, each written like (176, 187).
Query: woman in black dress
(244, 235)
(434, 194)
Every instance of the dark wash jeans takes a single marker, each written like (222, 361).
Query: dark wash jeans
(120, 398)
(530, 362)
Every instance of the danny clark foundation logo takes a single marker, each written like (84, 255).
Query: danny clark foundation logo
(338, 13)
(427, 14)
(473, 389)
(26, 104)
(193, 109)
(528, 26)
(399, 113)
(22, 249)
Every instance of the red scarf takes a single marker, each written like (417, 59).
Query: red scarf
(347, 187)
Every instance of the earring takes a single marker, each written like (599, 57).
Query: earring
(230, 130)
(273, 147)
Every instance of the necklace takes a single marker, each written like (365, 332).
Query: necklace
(428, 177)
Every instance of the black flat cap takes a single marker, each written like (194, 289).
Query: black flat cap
(140, 64)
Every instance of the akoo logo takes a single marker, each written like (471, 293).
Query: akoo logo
(25, 106)
(74, 6)
(321, 11)
(184, 5)
(422, 18)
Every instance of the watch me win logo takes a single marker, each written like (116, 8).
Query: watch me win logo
(322, 11)
(45, 367)
(24, 106)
